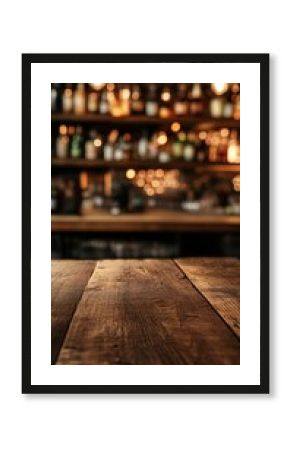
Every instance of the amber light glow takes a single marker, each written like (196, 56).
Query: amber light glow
(84, 180)
(162, 138)
(175, 127)
(219, 88)
(130, 174)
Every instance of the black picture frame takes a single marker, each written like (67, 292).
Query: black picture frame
(263, 61)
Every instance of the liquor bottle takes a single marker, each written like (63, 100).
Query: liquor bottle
(55, 97)
(87, 199)
(152, 152)
(201, 150)
(180, 105)
(62, 143)
(108, 151)
(151, 104)
(218, 101)
(216, 106)
(137, 103)
(124, 96)
(69, 200)
(99, 191)
(93, 101)
(228, 106)
(55, 199)
(177, 145)
(189, 147)
(90, 147)
(104, 104)
(79, 99)
(233, 150)
(127, 146)
(196, 105)
(77, 143)
(164, 155)
(223, 149)
(119, 194)
(236, 106)
(165, 102)
(213, 150)
(119, 149)
(67, 99)
(109, 145)
(142, 146)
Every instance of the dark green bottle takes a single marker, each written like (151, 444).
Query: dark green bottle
(77, 143)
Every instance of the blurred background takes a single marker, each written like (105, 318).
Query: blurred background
(145, 170)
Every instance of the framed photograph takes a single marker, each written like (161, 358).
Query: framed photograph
(150, 272)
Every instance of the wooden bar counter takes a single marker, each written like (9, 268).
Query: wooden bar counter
(151, 221)
(183, 311)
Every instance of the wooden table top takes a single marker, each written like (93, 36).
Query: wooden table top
(150, 220)
(183, 311)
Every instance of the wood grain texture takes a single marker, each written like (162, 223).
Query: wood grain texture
(149, 221)
(145, 312)
(68, 280)
(218, 279)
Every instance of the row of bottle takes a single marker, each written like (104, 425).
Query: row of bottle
(118, 100)
(214, 146)
(111, 247)
(133, 191)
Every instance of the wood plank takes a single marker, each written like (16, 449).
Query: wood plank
(218, 279)
(145, 312)
(68, 280)
(151, 221)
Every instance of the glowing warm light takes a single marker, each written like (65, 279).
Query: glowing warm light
(140, 182)
(68, 92)
(98, 142)
(160, 173)
(236, 183)
(225, 132)
(164, 112)
(165, 95)
(97, 86)
(149, 191)
(237, 114)
(219, 88)
(62, 130)
(175, 126)
(160, 190)
(155, 183)
(162, 138)
(233, 155)
(125, 93)
(113, 136)
(110, 87)
(202, 135)
(130, 174)
(135, 94)
(84, 180)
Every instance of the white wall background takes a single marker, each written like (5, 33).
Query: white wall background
(140, 422)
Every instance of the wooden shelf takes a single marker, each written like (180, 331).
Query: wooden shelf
(139, 164)
(198, 122)
(149, 221)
